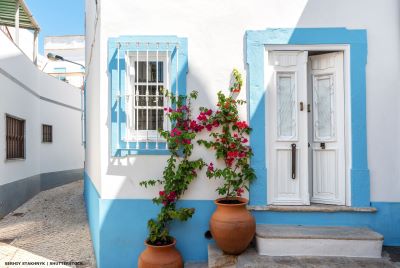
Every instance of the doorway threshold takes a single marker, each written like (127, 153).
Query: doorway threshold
(312, 208)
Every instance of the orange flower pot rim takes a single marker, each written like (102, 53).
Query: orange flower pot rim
(243, 201)
(163, 246)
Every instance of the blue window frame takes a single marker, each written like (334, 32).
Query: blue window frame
(357, 40)
(117, 67)
(61, 71)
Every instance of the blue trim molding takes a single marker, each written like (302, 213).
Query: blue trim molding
(255, 50)
(119, 147)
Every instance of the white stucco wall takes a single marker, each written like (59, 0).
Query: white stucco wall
(93, 78)
(37, 98)
(215, 32)
(26, 40)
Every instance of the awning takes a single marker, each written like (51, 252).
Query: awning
(7, 15)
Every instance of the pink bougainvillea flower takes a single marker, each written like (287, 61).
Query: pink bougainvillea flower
(236, 90)
(195, 127)
(209, 112)
(175, 132)
(241, 125)
(171, 197)
(245, 140)
(162, 193)
(239, 191)
(209, 127)
(229, 162)
(202, 117)
(233, 154)
(211, 167)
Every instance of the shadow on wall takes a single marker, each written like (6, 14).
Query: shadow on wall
(124, 221)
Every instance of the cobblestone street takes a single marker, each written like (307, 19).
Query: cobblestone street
(52, 226)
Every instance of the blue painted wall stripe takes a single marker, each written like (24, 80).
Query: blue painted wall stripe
(92, 203)
(255, 49)
(119, 227)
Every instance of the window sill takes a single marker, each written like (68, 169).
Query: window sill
(14, 159)
(128, 152)
(312, 208)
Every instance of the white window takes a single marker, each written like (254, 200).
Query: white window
(147, 76)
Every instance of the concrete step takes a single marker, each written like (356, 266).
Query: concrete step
(251, 259)
(196, 265)
(294, 240)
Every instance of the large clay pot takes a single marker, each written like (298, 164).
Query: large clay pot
(232, 226)
(160, 257)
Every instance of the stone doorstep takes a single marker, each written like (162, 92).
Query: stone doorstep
(316, 232)
(334, 241)
(250, 259)
(312, 208)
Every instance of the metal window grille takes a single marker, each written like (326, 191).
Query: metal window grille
(15, 138)
(47, 133)
(148, 72)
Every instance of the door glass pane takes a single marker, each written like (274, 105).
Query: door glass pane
(323, 103)
(286, 106)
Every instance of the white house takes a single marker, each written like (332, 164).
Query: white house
(321, 78)
(71, 47)
(40, 128)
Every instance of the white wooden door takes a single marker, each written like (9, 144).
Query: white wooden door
(327, 139)
(287, 146)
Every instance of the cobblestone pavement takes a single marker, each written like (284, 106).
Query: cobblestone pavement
(52, 225)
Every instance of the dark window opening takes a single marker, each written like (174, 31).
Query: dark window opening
(15, 138)
(47, 133)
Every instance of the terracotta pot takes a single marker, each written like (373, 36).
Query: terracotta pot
(232, 226)
(160, 257)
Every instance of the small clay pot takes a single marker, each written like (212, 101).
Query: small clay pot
(160, 257)
(232, 226)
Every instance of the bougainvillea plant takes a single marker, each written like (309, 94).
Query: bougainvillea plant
(180, 170)
(229, 140)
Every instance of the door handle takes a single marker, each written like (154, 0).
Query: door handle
(301, 106)
(293, 145)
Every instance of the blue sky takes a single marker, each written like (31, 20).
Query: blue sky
(57, 17)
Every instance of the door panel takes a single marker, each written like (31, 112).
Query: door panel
(286, 74)
(327, 144)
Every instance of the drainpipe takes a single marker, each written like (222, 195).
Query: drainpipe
(17, 22)
(35, 46)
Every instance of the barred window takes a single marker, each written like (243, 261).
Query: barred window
(47, 133)
(15, 138)
(145, 100)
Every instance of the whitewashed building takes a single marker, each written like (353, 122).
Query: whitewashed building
(40, 128)
(70, 47)
(321, 77)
